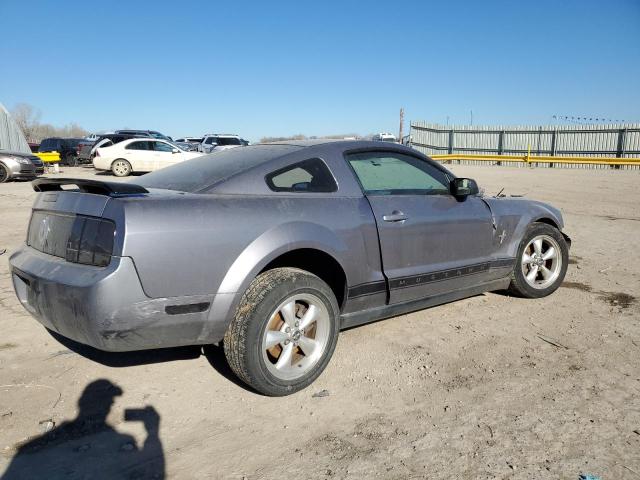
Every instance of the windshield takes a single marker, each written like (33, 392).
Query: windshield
(197, 175)
(160, 136)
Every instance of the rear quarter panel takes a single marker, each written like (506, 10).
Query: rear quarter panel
(203, 244)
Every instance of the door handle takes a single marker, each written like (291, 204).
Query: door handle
(396, 216)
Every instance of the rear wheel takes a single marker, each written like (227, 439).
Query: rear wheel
(4, 173)
(71, 160)
(284, 332)
(543, 257)
(121, 168)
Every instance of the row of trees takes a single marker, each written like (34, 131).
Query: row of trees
(28, 119)
(304, 137)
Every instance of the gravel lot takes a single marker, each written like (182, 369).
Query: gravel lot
(487, 387)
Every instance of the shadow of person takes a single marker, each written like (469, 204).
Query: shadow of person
(88, 447)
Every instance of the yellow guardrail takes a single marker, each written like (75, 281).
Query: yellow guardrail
(49, 157)
(539, 159)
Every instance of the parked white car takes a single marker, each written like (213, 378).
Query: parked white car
(384, 137)
(139, 155)
(214, 142)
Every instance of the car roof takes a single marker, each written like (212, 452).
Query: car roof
(143, 139)
(321, 141)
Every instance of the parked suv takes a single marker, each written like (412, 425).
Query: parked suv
(214, 142)
(384, 137)
(15, 165)
(66, 147)
(189, 140)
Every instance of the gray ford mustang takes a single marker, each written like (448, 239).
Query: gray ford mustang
(272, 249)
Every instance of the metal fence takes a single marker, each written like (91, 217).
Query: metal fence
(592, 141)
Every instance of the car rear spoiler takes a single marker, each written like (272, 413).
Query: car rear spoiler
(97, 187)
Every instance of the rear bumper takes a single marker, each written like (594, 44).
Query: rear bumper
(105, 308)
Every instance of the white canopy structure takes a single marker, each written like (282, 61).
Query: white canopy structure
(11, 136)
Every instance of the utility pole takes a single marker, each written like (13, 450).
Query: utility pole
(471, 117)
(401, 124)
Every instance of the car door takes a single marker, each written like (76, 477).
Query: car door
(140, 155)
(165, 154)
(431, 242)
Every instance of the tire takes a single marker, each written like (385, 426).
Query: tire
(541, 263)
(71, 160)
(4, 173)
(121, 168)
(266, 341)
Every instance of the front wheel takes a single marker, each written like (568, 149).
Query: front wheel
(4, 173)
(284, 332)
(543, 257)
(121, 168)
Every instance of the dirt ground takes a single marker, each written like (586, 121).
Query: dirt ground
(487, 387)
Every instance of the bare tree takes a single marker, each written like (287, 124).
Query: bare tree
(304, 137)
(28, 119)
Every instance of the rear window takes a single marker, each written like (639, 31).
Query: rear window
(202, 172)
(229, 141)
(48, 145)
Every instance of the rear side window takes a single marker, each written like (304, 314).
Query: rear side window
(139, 146)
(309, 176)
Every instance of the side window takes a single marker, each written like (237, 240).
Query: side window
(390, 173)
(228, 141)
(212, 141)
(138, 146)
(162, 147)
(45, 146)
(309, 176)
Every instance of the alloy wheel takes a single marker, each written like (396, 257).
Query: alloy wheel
(296, 336)
(541, 261)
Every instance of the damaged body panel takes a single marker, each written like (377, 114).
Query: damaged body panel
(165, 261)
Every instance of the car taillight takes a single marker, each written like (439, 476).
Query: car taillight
(91, 241)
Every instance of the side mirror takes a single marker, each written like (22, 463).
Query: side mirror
(463, 187)
(175, 150)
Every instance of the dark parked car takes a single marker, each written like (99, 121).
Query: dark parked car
(66, 147)
(146, 133)
(87, 149)
(271, 249)
(17, 165)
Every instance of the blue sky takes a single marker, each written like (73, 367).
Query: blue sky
(282, 68)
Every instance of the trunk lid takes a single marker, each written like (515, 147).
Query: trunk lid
(67, 219)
